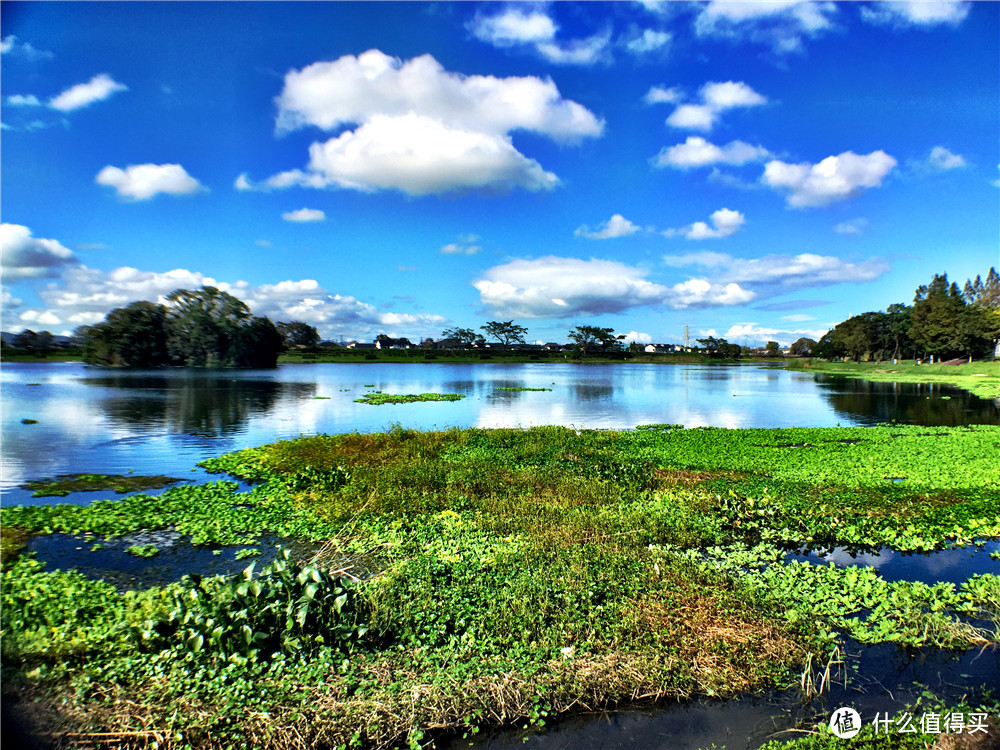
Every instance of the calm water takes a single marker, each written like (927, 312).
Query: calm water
(163, 422)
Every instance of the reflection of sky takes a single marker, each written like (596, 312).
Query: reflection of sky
(949, 566)
(102, 421)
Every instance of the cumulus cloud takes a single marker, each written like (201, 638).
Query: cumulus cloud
(554, 287)
(533, 29)
(85, 295)
(27, 257)
(11, 45)
(23, 100)
(923, 14)
(782, 25)
(942, 159)
(650, 40)
(663, 95)
(698, 152)
(783, 271)
(140, 182)
(752, 334)
(304, 215)
(97, 89)
(616, 226)
(637, 337)
(836, 178)
(724, 222)
(716, 98)
(419, 128)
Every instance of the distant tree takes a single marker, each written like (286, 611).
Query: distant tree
(773, 349)
(802, 347)
(132, 336)
(505, 332)
(298, 335)
(730, 351)
(39, 344)
(898, 322)
(711, 344)
(467, 337)
(586, 337)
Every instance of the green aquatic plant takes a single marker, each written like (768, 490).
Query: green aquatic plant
(379, 398)
(143, 550)
(523, 389)
(66, 483)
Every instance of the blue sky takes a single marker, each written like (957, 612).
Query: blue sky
(753, 170)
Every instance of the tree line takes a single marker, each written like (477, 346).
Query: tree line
(196, 328)
(944, 321)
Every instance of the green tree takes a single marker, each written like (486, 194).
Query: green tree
(39, 344)
(202, 326)
(298, 335)
(505, 332)
(131, 336)
(934, 322)
(772, 349)
(586, 337)
(255, 344)
(465, 336)
(802, 347)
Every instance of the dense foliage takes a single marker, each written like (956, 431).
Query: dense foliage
(203, 328)
(943, 322)
(502, 575)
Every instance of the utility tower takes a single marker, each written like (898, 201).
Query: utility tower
(687, 337)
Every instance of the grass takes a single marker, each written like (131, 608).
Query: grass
(520, 388)
(502, 575)
(979, 378)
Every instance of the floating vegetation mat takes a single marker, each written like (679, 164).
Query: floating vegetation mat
(120, 483)
(377, 399)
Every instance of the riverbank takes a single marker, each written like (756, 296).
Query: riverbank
(979, 378)
(474, 578)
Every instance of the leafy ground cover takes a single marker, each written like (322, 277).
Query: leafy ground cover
(509, 575)
(120, 483)
(522, 388)
(979, 378)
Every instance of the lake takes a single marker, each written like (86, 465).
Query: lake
(163, 422)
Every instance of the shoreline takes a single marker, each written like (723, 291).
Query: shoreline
(981, 379)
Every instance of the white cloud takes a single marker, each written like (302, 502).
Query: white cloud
(98, 88)
(141, 182)
(637, 337)
(85, 295)
(784, 271)
(648, 41)
(716, 98)
(780, 24)
(553, 287)
(724, 223)
(698, 152)
(798, 318)
(417, 155)
(836, 178)
(534, 29)
(463, 247)
(22, 100)
(662, 95)
(419, 128)
(304, 215)
(751, 334)
(616, 226)
(354, 89)
(27, 257)
(943, 159)
(916, 13)
(514, 26)
(10, 45)
(853, 227)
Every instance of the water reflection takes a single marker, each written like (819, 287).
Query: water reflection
(197, 404)
(907, 403)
